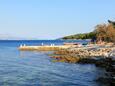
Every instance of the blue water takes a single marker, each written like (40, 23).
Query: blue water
(32, 68)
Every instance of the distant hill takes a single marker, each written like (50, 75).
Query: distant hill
(89, 35)
(9, 37)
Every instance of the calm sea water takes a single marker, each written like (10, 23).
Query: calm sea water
(31, 68)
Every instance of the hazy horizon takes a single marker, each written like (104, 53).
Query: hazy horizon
(49, 19)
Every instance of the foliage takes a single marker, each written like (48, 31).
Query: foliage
(81, 36)
(103, 32)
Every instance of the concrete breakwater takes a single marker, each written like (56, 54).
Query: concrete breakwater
(42, 48)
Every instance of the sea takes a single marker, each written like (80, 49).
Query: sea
(36, 68)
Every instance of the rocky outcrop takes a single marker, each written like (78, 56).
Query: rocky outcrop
(109, 65)
(66, 58)
(101, 57)
(86, 52)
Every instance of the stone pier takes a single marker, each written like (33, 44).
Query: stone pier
(43, 48)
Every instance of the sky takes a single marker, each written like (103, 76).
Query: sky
(51, 19)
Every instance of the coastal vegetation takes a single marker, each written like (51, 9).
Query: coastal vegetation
(102, 32)
(80, 36)
(105, 32)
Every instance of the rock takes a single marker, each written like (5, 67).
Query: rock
(107, 81)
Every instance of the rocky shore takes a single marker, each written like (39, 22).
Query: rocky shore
(103, 57)
(87, 52)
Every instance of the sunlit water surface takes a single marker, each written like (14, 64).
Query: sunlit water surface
(32, 68)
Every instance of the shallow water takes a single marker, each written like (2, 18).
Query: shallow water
(30, 68)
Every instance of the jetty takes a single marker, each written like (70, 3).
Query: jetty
(43, 48)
